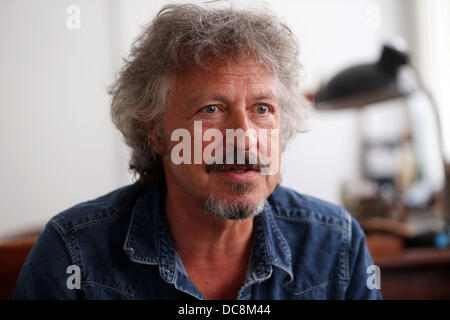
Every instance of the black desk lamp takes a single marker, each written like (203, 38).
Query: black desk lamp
(364, 84)
(390, 77)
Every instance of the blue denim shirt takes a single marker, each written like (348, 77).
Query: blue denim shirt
(303, 248)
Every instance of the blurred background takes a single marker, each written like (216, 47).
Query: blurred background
(384, 161)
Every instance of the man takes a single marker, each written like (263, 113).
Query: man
(207, 100)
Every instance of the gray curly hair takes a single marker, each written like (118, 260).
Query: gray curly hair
(184, 36)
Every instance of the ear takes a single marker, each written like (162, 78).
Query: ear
(155, 141)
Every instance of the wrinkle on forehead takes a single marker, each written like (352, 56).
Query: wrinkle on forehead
(226, 78)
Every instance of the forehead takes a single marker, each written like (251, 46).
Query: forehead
(232, 78)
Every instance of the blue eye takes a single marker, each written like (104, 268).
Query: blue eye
(262, 109)
(210, 109)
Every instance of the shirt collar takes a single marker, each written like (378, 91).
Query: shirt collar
(148, 239)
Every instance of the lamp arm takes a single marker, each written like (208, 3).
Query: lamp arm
(436, 113)
(435, 110)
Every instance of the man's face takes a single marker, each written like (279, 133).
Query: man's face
(227, 96)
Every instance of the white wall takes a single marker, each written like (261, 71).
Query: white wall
(58, 146)
(431, 50)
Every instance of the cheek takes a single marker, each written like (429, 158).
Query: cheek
(269, 143)
(192, 178)
(271, 182)
(193, 172)
(267, 122)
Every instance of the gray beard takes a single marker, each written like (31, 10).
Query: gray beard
(223, 209)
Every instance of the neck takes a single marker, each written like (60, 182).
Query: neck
(215, 253)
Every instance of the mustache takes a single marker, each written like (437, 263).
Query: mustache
(248, 163)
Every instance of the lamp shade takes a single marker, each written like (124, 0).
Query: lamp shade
(364, 84)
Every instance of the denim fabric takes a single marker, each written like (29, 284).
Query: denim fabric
(303, 248)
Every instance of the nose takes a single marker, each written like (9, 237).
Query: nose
(239, 120)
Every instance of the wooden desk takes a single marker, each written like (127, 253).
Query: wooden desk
(415, 274)
(12, 256)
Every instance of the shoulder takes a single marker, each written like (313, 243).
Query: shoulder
(88, 235)
(326, 244)
(295, 207)
(108, 207)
